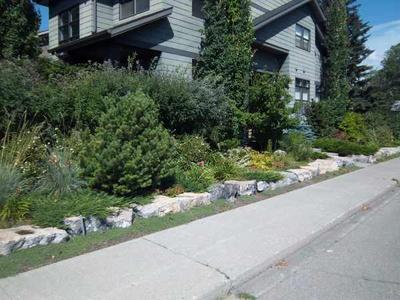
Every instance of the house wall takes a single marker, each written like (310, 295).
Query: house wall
(85, 18)
(299, 63)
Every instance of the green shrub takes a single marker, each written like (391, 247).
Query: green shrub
(130, 151)
(345, 148)
(318, 155)
(50, 211)
(12, 183)
(354, 126)
(269, 113)
(268, 176)
(198, 106)
(223, 167)
(196, 178)
(61, 175)
(15, 209)
(297, 145)
(192, 149)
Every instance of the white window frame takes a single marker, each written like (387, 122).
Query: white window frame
(303, 38)
(69, 25)
(134, 9)
(302, 87)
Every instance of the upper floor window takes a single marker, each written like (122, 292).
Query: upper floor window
(302, 37)
(129, 8)
(302, 92)
(197, 8)
(68, 25)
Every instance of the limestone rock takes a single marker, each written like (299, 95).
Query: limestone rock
(77, 225)
(387, 151)
(120, 217)
(289, 179)
(160, 206)
(262, 186)
(218, 191)
(364, 159)
(189, 200)
(27, 236)
(243, 188)
(280, 153)
(302, 174)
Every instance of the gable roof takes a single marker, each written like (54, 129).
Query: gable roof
(116, 30)
(285, 9)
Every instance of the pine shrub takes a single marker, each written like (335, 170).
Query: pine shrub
(130, 151)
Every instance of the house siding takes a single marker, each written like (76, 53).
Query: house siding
(178, 37)
(299, 63)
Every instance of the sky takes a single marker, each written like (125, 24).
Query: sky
(383, 15)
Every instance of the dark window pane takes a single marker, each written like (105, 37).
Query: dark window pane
(63, 31)
(75, 30)
(197, 6)
(142, 6)
(126, 9)
(64, 18)
(74, 14)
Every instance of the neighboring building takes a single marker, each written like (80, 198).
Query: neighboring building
(289, 35)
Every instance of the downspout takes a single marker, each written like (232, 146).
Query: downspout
(94, 14)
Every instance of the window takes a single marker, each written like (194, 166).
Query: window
(302, 37)
(318, 91)
(68, 25)
(129, 8)
(302, 92)
(197, 6)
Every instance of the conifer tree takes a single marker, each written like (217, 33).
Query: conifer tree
(226, 50)
(19, 24)
(337, 43)
(357, 72)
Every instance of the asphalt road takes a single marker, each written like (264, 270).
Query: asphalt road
(357, 259)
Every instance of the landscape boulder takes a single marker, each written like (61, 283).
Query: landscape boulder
(120, 217)
(27, 236)
(189, 200)
(160, 206)
(302, 174)
(243, 188)
(262, 186)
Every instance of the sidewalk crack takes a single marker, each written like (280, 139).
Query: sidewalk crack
(190, 258)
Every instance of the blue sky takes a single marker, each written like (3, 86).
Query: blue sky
(383, 15)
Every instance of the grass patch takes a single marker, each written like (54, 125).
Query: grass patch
(386, 158)
(25, 260)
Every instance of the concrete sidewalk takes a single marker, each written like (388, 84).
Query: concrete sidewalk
(205, 258)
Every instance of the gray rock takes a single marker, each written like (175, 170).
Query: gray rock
(74, 225)
(387, 151)
(160, 206)
(262, 186)
(289, 179)
(27, 236)
(396, 106)
(243, 188)
(188, 200)
(217, 191)
(364, 159)
(120, 217)
(302, 174)
(280, 153)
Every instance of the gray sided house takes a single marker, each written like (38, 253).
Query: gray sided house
(289, 35)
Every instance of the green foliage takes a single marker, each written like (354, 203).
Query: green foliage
(354, 126)
(268, 176)
(318, 115)
(226, 46)
(130, 151)
(379, 132)
(269, 114)
(19, 25)
(336, 84)
(50, 211)
(61, 175)
(15, 209)
(12, 183)
(223, 167)
(345, 148)
(297, 145)
(196, 178)
(359, 32)
(192, 149)
(199, 106)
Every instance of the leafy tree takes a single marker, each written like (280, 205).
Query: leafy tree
(269, 114)
(226, 46)
(337, 42)
(19, 24)
(358, 35)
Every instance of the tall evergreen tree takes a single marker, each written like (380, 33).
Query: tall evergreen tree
(226, 49)
(357, 72)
(19, 25)
(336, 84)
